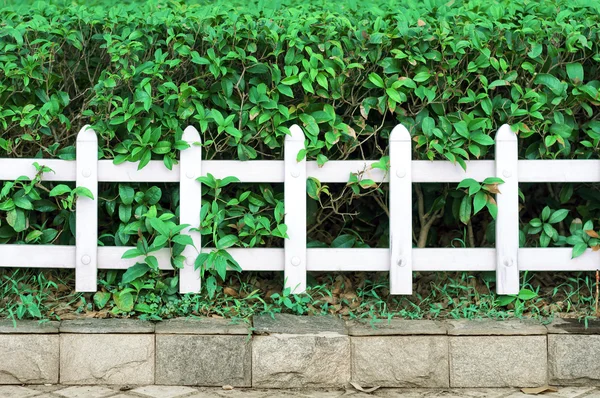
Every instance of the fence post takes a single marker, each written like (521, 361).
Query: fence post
(507, 220)
(190, 202)
(400, 208)
(86, 214)
(295, 211)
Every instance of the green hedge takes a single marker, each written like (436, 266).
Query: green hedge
(242, 72)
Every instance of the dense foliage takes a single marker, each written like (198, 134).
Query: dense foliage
(347, 72)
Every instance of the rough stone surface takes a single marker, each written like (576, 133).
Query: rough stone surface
(498, 361)
(106, 359)
(203, 360)
(102, 326)
(293, 324)
(28, 327)
(164, 391)
(400, 361)
(86, 392)
(574, 359)
(29, 358)
(291, 361)
(395, 327)
(204, 326)
(489, 327)
(573, 326)
(16, 392)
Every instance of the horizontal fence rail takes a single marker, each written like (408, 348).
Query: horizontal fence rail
(295, 259)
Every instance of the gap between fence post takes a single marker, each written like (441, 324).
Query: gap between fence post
(400, 208)
(86, 212)
(507, 220)
(190, 202)
(295, 211)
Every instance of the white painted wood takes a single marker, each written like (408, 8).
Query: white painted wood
(557, 259)
(190, 202)
(86, 212)
(400, 208)
(37, 256)
(328, 260)
(295, 212)
(507, 221)
(335, 171)
(559, 170)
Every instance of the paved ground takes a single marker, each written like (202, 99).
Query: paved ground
(57, 391)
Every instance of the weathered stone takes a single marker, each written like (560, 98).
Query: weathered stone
(28, 327)
(292, 324)
(573, 359)
(400, 361)
(106, 359)
(395, 327)
(203, 360)
(29, 358)
(290, 361)
(17, 392)
(490, 327)
(204, 326)
(86, 392)
(498, 361)
(164, 391)
(103, 326)
(573, 326)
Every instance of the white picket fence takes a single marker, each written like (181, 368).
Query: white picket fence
(401, 259)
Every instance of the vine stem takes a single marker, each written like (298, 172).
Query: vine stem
(597, 290)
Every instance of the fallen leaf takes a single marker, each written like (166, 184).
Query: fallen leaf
(367, 390)
(538, 390)
(420, 22)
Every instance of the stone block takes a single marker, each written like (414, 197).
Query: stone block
(396, 327)
(400, 361)
(573, 326)
(104, 326)
(498, 361)
(302, 360)
(28, 327)
(205, 326)
(490, 327)
(293, 324)
(106, 358)
(29, 358)
(203, 360)
(574, 359)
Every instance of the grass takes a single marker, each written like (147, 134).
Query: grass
(50, 295)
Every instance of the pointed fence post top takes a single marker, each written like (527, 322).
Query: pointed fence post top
(400, 133)
(87, 134)
(505, 133)
(296, 134)
(190, 135)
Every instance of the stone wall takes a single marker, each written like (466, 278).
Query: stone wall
(288, 351)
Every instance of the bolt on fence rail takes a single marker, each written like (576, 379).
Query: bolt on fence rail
(400, 260)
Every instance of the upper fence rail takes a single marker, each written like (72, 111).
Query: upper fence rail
(400, 259)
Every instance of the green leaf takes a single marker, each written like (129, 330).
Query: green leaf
(526, 294)
(211, 286)
(60, 189)
(549, 81)
(343, 241)
(546, 213)
(227, 241)
(126, 193)
(183, 240)
(101, 299)
(479, 202)
(503, 301)
(465, 210)
(579, 249)
(575, 72)
(124, 301)
(83, 191)
(558, 216)
(376, 80)
(134, 272)
(23, 202)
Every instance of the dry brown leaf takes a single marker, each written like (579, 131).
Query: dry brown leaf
(420, 22)
(592, 233)
(230, 292)
(538, 390)
(367, 390)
